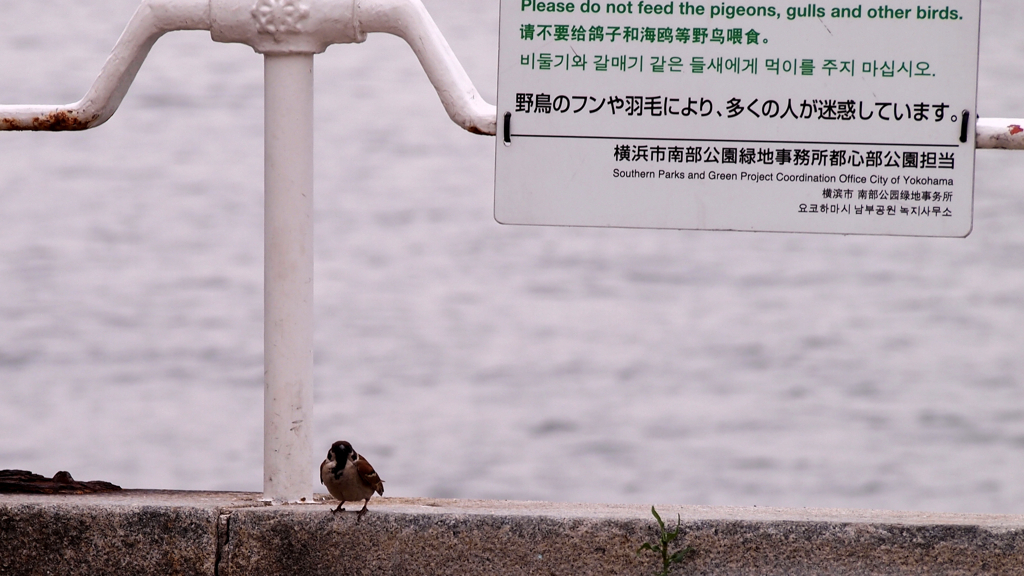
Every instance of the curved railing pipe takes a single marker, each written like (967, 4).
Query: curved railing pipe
(153, 19)
(269, 27)
(409, 20)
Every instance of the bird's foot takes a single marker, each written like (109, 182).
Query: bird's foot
(338, 509)
(359, 515)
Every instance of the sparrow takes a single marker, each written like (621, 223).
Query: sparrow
(348, 476)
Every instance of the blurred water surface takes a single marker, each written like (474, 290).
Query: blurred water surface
(467, 359)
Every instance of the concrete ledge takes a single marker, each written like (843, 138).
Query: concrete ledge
(129, 532)
(231, 534)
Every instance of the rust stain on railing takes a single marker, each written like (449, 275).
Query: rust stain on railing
(56, 121)
(60, 121)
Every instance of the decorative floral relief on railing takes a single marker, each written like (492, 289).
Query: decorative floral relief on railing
(279, 16)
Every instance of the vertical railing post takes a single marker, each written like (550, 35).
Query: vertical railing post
(288, 278)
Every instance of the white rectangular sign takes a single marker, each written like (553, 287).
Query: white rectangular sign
(833, 117)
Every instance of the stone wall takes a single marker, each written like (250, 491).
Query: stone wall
(229, 534)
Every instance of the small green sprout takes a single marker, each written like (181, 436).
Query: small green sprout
(667, 560)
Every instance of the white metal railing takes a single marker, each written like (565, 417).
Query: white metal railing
(1006, 133)
(288, 33)
(271, 27)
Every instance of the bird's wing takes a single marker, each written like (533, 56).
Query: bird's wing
(368, 475)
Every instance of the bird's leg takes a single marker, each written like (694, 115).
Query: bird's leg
(363, 511)
(339, 508)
